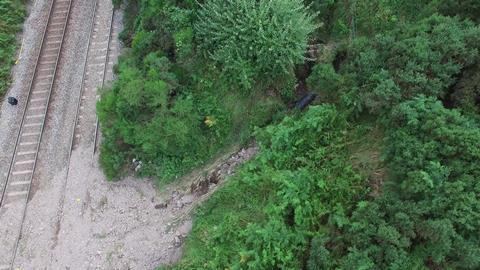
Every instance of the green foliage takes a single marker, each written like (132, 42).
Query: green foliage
(169, 108)
(147, 117)
(297, 187)
(372, 17)
(429, 214)
(349, 19)
(302, 202)
(465, 94)
(324, 80)
(12, 13)
(420, 58)
(319, 257)
(129, 18)
(466, 9)
(254, 40)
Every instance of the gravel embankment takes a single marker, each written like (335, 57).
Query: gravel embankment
(10, 116)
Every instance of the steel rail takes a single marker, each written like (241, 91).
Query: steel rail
(77, 113)
(44, 119)
(24, 111)
(79, 99)
(103, 82)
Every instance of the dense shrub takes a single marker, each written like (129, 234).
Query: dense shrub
(324, 80)
(146, 116)
(350, 19)
(297, 187)
(300, 205)
(12, 13)
(421, 58)
(254, 40)
(466, 8)
(168, 107)
(429, 215)
(465, 94)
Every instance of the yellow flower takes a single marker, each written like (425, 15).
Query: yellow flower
(243, 258)
(210, 121)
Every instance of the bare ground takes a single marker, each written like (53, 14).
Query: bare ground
(103, 225)
(123, 225)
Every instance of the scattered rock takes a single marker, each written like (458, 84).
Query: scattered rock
(179, 204)
(203, 184)
(161, 205)
(187, 199)
(178, 240)
(214, 177)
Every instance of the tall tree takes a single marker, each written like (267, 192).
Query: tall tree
(254, 40)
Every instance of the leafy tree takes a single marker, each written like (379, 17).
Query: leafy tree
(254, 40)
(373, 17)
(466, 91)
(466, 9)
(354, 18)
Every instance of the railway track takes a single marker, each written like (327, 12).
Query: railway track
(96, 65)
(15, 193)
(16, 190)
(97, 72)
(95, 77)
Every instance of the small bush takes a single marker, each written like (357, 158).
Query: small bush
(324, 80)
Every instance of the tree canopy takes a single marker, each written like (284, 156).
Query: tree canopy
(421, 58)
(254, 40)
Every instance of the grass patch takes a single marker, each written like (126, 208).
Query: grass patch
(12, 13)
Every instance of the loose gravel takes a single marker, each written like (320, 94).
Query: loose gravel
(10, 116)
